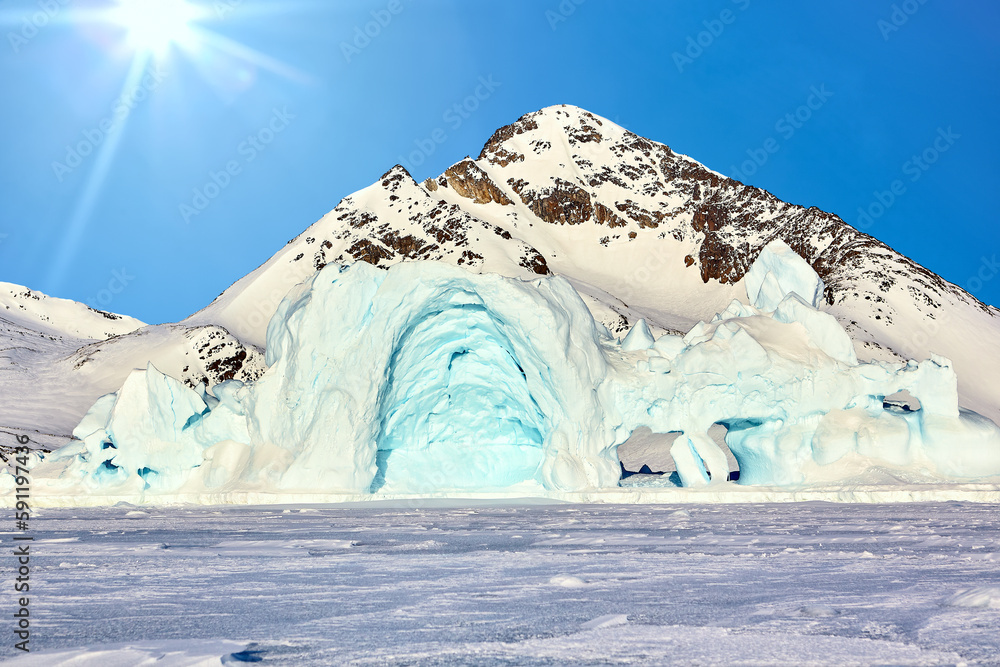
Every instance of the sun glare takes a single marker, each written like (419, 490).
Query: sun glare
(153, 25)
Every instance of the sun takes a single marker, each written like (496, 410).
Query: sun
(153, 25)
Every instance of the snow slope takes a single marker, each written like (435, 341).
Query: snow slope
(58, 356)
(27, 311)
(641, 232)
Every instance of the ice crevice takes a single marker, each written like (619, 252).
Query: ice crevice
(428, 379)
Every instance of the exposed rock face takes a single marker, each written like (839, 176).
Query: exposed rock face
(729, 221)
(564, 203)
(494, 150)
(410, 222)
(216, 356)
(534, 262)
(471, 182)
(605, 216)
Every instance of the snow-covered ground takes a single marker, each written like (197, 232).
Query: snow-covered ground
(453, 582)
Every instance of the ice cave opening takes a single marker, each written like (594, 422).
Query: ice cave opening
(456, 411)
(646, 452)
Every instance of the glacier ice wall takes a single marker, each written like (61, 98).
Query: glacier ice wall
(427, 378)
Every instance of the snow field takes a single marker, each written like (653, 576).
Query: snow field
(452, 582)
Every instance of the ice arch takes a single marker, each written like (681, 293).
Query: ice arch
(428, 378)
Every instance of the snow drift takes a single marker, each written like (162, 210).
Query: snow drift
(427, 378)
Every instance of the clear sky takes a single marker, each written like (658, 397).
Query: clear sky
(292, 107)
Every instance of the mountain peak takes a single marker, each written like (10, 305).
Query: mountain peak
(642, 232)
(60, 318)
(563, 125)
(397, 172)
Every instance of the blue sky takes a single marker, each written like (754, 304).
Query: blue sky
(269, 100)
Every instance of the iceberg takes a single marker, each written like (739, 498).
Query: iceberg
(777, 272)
(638, 338)
(426, 378)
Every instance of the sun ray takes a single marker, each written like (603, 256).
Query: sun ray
(205, 37)
(152, 29)
(84, 208)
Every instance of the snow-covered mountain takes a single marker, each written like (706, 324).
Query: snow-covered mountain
(57, 356)
(639, 230)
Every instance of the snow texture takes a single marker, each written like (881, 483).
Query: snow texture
(458, 583)
(428, 378)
